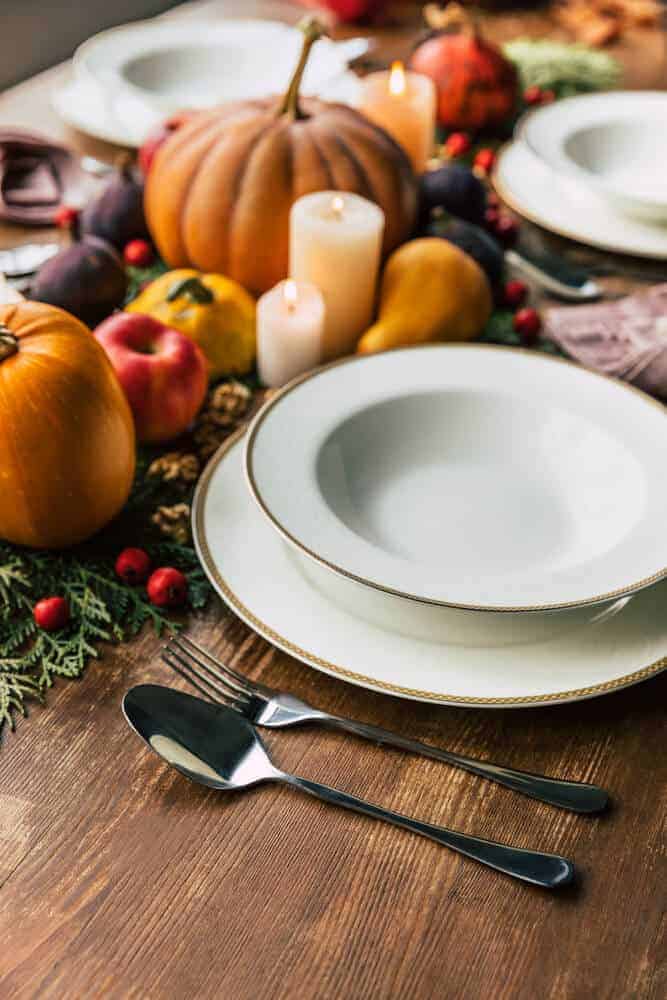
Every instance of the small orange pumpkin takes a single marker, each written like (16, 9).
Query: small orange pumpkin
(67, 453)
(220, 188)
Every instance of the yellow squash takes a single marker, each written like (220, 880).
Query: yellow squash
(214, 311)
(430, 290)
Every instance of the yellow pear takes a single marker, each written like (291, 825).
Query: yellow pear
(430, 290)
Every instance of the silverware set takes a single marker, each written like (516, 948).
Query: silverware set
(215, 742)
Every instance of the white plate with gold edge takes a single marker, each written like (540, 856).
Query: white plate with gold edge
(467, 476)
(565, 206)
(256, 574)
(615, 143)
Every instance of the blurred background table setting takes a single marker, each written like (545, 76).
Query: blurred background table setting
(333, 370)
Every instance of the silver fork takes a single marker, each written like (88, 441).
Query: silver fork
(264, 706)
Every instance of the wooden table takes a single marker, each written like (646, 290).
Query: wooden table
(121, 879)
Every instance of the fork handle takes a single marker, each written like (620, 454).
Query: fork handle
(547, 870)
(573, 795)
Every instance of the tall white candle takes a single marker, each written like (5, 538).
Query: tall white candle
(290, 327)
(403, 104)
(335, 243)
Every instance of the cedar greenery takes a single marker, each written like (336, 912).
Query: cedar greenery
(103, 608)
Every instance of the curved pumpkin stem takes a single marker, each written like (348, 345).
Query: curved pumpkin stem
(452, 15)
(312, 29)
(8, 343)
(190, 288)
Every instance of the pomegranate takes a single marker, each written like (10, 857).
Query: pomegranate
(477, 86)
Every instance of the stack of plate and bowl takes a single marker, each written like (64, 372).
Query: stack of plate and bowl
(128, 79)
(592, 168)
(463, 524)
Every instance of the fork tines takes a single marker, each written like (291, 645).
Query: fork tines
(215, 680)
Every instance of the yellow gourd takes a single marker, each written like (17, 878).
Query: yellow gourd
(214, 311)
(430, 291)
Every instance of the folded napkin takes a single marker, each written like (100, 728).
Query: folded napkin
(626, 338)
(36, 177)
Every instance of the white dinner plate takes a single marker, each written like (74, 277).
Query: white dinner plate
(567, 207)
(468, 475)
(125, 120)
(256, 574)
(615, 143)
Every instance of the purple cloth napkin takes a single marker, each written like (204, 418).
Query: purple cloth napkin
(626, 338)
(37, 176)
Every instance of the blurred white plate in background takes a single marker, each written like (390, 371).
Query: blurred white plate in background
(567, 207)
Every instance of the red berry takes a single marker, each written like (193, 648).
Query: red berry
(65, 217)
(506, 230)
(491, 217)
(533, 95)
(515, 294)
(138, 253)
(484, 160)
(167, 587)
(133, 566)
(548, 97)
(457, 144)
(527, 324)
(51, 613)
(492, 199)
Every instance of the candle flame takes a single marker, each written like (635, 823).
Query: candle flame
(397, 79)
(290, 294)
(337, 205)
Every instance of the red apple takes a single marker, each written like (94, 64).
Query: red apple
(158, 135)
(163, 373)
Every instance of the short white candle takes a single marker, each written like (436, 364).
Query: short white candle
(404, 105)
(290, 328)
(335, 243)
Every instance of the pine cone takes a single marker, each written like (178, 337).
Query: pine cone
(225, 406)
(175, 466)
(174, 522)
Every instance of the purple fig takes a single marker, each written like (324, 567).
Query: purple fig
(117, 214)
(87, 278)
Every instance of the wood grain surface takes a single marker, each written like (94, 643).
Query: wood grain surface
(119, 878)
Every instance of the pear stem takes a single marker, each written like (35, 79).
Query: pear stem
(8, 343)
(312, 29)
(452, 15)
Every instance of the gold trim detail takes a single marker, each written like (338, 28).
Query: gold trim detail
(256, 423)
(311, 659)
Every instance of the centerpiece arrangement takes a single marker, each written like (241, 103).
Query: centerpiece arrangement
(357, 232)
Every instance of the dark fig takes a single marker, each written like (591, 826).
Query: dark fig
(455, 188)
(476, 242)
(87, 279)
(117, 214)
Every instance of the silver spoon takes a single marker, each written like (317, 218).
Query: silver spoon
(215, 746)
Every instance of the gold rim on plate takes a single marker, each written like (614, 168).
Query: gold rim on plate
(311, 659)
(624, 591)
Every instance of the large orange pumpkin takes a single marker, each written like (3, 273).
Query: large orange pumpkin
(220, 188)
(67, 452)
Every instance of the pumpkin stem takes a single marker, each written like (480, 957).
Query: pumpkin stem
(312, 29)
(451, 16)
(8, 343)
(191, 288)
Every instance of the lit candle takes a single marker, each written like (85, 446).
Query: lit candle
(335, 243)
(404, 105)
(290, 324)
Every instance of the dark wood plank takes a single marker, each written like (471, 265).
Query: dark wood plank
(119, 878)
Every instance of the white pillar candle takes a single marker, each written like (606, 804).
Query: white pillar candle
(290, 328)
(335, 243)
(404, 105)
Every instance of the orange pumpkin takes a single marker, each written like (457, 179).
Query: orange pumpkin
(220, 188)
(67, 452)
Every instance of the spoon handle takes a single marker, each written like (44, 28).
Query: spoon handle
(547, 870)
(576, 796)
